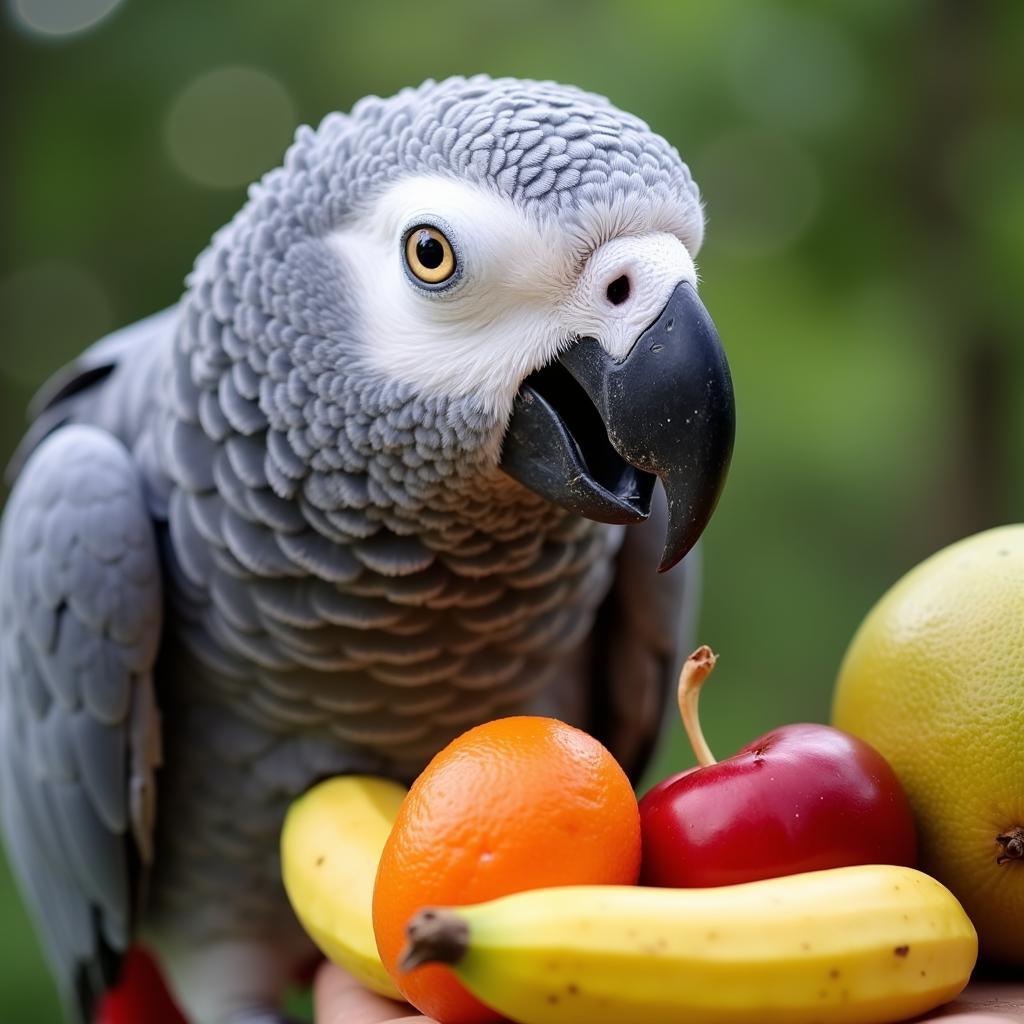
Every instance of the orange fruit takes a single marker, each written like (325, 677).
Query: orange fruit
(517, 803)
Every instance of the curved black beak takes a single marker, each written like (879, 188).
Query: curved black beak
(592, 434)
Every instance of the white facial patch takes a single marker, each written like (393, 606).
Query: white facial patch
(526, 286)
(624, 286)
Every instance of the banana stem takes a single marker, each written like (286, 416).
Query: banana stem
(696, 669)
(434, 937)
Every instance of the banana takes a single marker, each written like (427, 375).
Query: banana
(855, 945)
(331, 844)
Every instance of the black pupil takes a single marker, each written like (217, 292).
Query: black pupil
(429, 251)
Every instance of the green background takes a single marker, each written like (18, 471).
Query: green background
(863, 168)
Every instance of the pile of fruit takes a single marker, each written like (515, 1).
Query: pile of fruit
(519, 878)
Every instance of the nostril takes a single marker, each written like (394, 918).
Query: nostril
(618, 290)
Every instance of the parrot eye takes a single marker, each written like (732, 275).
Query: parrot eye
(429, 255)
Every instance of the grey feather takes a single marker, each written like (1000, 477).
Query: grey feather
(487, 670)
(246, 455)
(73, 848)
(60, 667)
(92, 592)
(100, 751)
(256, 549)
(646, 628)
(62, 917)
(540, 634)
(105, 682)
(23, 664)
(288, 602)
(430, 701)
(348, 523)
(205, 513)
(134, 618)
(419, 589)
(381, 729)
(394, 556)
(40, 620)
(52, 756)
(421, 673)
(95, 855)
(280, 452)
(234, 493)
(212, 417)
(547, 566)
(282, 516)
(334, 605)
(191, 455)
(320, 556)
(235, 601)
(392, 649)
(195, 558)
(243, 414)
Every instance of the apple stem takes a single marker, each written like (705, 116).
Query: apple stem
(696, 669)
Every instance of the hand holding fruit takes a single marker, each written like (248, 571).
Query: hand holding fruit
(340, 998)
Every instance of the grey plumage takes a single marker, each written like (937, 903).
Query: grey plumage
(349, 579)
(80, 614)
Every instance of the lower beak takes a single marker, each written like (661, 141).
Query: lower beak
(592, 434)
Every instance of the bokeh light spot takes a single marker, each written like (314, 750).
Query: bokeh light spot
(795, 70)
(228, 126)
(60, 17)
(763, 192)
(50, 312)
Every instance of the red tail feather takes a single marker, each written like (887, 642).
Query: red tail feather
(141, 997)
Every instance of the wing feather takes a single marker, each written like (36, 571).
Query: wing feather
(80, 616)
(644, 629)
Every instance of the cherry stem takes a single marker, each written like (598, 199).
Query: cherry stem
(696, 669)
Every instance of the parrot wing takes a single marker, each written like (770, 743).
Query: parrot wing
(644, 629)
(80, 618)
(56, 401)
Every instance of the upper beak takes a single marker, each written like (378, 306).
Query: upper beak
(591, 434)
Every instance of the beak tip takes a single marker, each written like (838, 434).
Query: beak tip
(691, 502)
(672, 556)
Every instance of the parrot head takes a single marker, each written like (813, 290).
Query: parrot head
(489, 277)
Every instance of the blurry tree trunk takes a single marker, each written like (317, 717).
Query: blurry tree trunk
(951, 45)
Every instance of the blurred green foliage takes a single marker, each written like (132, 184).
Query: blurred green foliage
(863, 168)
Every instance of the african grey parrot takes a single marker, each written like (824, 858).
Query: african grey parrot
(367, 485)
